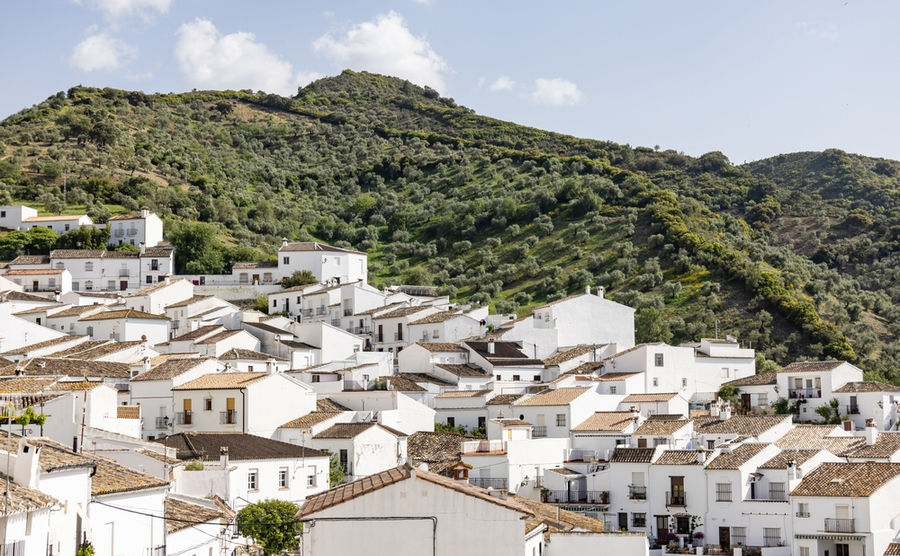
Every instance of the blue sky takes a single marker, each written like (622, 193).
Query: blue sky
(752, 79)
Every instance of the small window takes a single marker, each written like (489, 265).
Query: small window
(725, 372)
(658, 359)
(249, 368)
(684, 383)
(655, 382)
(723, 492)
(286, 260)
(316, 378)
(772, 537)
(803, 509)
(451, 421)
(612, 389)
(560, 419)
(67, 227)
(252, 479)
(207, 404)
(804, 551)
(90, 331)
(638, 520)
(88, 286)
(283, 477)
(311, 478)
(274, 303)
(762, 399)
(149, 279)
(498, 377)
(517, 377)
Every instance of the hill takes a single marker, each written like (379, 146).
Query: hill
(796, 255)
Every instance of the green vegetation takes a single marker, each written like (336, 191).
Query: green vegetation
(796, 255)
(270, 524)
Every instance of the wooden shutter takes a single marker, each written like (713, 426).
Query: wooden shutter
(187, 404)
(229, 404)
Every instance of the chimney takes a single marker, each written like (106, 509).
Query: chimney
(146, 364)
(223, 457)
(635, 414)
(284, 242)
(56, 297)
(143, 248)
(26, 471)
(600, 291)
(587, 290)
(166, 279)
(490, 346)
(725, 413)
(714, 409)
(701, 456)
(145, 212)
(871, 432)
(270, 366)
(792, 470)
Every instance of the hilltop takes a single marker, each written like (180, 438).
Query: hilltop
(796, 254)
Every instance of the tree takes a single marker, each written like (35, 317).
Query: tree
(13, 244)
(830, 413)
(39, 241)
(28, 417)
(336, 472)
(728, 393)
(299, 278)
(650, 326)
(197, 251)
(269, 523)
(84, 237)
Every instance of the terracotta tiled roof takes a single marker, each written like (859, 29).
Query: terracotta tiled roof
(464, 394)
(106, 349)
(504, 399)
(402, 312)
(46, 366)
(46, 343)
(632, 455)
(513, 423)
(502, 350)
(608, 377)
(325, 404)
(759, 379)
(123, 314)
(807, 436)
(657, 397)
(80, 348)
(224, 335)
(113, 478)
(560, 396)
(570, 354)
(23, 500)
(606, 421)
(181, 515)
(557, 519)
(255, 264)
(25, 384)
(679, 457)
(128, 412)
(38, 310)
(384, 479)
(22, 296)
(737, 457)
(54, 456)
(170, 369)
(587, 368)
(33, 271)
(205, 447)
(887, 444)
(811, 366)
(697, 413)
(76, 385)
(893, 549)
(782, 460)
(635, 348)
(435, 447)
(659, 427)
(439, 317)
(866, 386)
(515, 362)
(314, 246)
(222, 381)
(77, 310)
(310, 419)
(563, 471)
(464, 370)
(751, 425)
(30, 259)
(147, 290)
(401, 383)
(442, 347)
(345, 430)
(235, 354)
(158, 456)
(848, 480)
(384, 308)
(199, 332)
(189, 301)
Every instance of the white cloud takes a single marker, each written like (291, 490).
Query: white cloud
(327, 13)
(147, 75)
(816, 29)
(502, 83)
(210, 59)
(119, 9)
(555, 92)
(385, 45)
(101, 52)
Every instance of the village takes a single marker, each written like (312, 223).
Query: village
(144, 409)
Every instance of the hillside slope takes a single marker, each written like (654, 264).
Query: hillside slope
(796, 254)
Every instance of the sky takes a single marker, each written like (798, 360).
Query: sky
(750, 79)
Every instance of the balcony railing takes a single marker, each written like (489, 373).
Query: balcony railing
(580, 455)
(539, 481)
(803, 393)
(398, 336)
(636, 492)
(124, 272)
(539, 431)
(379, 337)
(336, 323)
(362, 330)
(132, 232)
(320, 310)
(802, 514)
(840, 525)
(154, 265)
(348, 312)
(185, 417)
(483, 482)
(119, 233)
(852, 409)
(306, 312)
(576, 496)
(162, 422)
(678, 499)
(228, 417)
(483, 446)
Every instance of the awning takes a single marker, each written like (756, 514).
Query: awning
(840, 538)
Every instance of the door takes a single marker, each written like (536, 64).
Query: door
(724, 537)
(753, 491)
(662, 527)
(745, 403)
(255, 279)
(34, 286)
(123, 285)
(642, 442)
(380, 337)
(677, 484)
(623, 521)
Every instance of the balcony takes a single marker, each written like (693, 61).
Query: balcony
(484, 482)
(475, 446)
(336, 323)
(124, 272)
(228, 417)
(162, 423)
(154, 265)
(306, 312)
(119, 233)
(348, 312)
(379, 337)
(132, 231)
(677, 499)
(840, 525)
(576, 496)
(320, 310)
(362, 330)
(804, 393)
(802, 514)
(851, 409)
(539, 431)
(580, 455)
(185, 417)
(636, 492)
(539, 481)
(398, 336)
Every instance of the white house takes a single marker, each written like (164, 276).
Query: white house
(389, 408)
(554, 412)
(41, 280)
(602, 431)
(155, 298)
(444, 327)
(125, 325)
(463, 408)
(60, 223)
(197, 524)
(812, 383)
(136, 229)
(756, 392)
(12, 216)
(674, 431)
(326, 262)
(864, 401)
(364, 448)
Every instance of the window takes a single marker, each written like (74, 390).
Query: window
(723, 492)
(517, 377)
(149, 279)
(90, 331)
(316, 378)
(684, 383)
(638, 520)
(658, 359)
(252, 482)
(2, 214)
(243, 278)
(560, 419)
(772, 536)
(207, 404)
(283, 477)
(682, 525)
(249, 368)
(299, 300)
(776, 491)
(111, 285)
(498, 377)
(612, 389)
(537, 378)
(286, 260)
(724, 372)
(451, 421)
(804, 551)
(655, 382)
(88, 286)
(738, 536)
(482, 422)
(436, 335)
(274, 303)
(842, 549)
(365, 378)
(762, 399)
(803, 510)
(311, 478)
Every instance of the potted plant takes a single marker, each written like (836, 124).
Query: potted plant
(85, 549)
(698, 538)
(545, 494)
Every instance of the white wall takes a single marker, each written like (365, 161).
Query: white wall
(126, 533)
